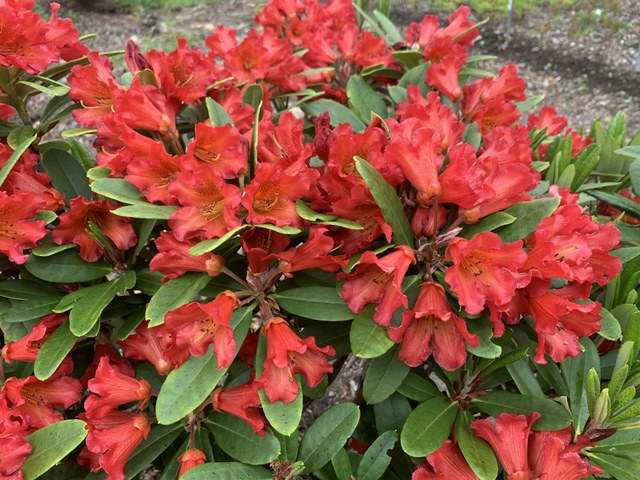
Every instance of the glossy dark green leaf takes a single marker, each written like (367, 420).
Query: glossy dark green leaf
(174, 293)
(35, 307)
(584, 163)
(617, 201)
(50, 445)
(288, 446)
(375, 460)
(46, 250)
(575, 371)
(617, 467)
(160, 437)
(24, 289)
(368, 339)
(392, 413)
(323, 219)
(478, 453)
(210, 245)
(609, 326)
(528, 216)
(418, 388)
(524, 378)
(391, 206)
(428, 427)
(364, 100)
(625, 441)
(237, 439)
(188, 386)
(553, 415)
(54, 351)
(327, 435)
(146, 211)
(217, 114)
(67, 175)
(19, 149)
(341, 465)
(483, 329)
(338, 113)
(66, 267)
(117, 189)
(384, 375)
(316, 303)
(227, 471)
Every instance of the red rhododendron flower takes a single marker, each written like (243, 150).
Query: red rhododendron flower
(74, 224)
(547, 118)
(62, 34)
(287, 355)
(314, 253)
(283, 143)
(378, 281)
(209, 205)
(261, 246)
(17, 231)
(103, 348)
(485, 272)
(190, 459)
(444, 76)
(114, 389)
(432, 326)
(221, 147)
(198, 325)
(446, 463)
(143, 345)
(115, 437)
(174, 260)
(527, 455)
(14, 449)
(26, 349)
(242, 401)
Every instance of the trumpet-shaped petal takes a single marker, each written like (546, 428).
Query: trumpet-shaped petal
(17, 231)
(314, 253)
(190, 459)
(143, 345)
(446, 463)
(243, 402)
(174, 260)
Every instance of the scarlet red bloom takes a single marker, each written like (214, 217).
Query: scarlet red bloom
(446, 463)
(197, 325)
(314, 253)
(548, 118)
(485, 272)
(242, 401)
(444, 76)
(190, 459)
(17, 231)
(114, 389)
(74, 224)
(527, 455)
(14, 449)
(432, 326)
(115, 437)
(221, 147)
(378, 281)
(287, 355)
(26, 349)
(174, 260)
(261, 246)
(143, 345)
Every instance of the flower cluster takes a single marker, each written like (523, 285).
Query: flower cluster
(260, 211)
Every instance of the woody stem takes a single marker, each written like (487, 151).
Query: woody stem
(192, 430)
(229, 273)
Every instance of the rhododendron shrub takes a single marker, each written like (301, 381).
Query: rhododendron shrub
(258, 217)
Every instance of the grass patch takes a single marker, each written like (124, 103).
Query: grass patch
(153, 4)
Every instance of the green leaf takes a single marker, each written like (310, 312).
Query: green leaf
(88, 308)
(81, 153)
(584, 163)
(316, 303)
(327, 435)
(45, 250)
(33, 308)
(217, 114)
(210, 245)
(478, 453)
(626, 441)
(50, 445)
(148, 211)
(391, 31)
(609, 326)
(575, 372)
(342, 465)
(409, 58)
(283, 417)
(368, 339)
(253, 95)
(17, 153)
(375, 460)
(288, 446)
(617, 201)
(55, 91)
(227, 471)
(338, 113)
(392, 413)
(237, 439)
(386, 197)
(484, 330)
(553, 415)
(418, 388)
(529, 103)
(528, 216)
(428, 427)
(625, 254)
(524, 378)
(24, 289)
(320, 218)
(618, 467)
(117, 189)
(188, 386)
(77, 132)
(384, 375)
(159, 439)
(66, 267)
(67, 175)
(364, 100)
(174, 293)
(54, 351)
